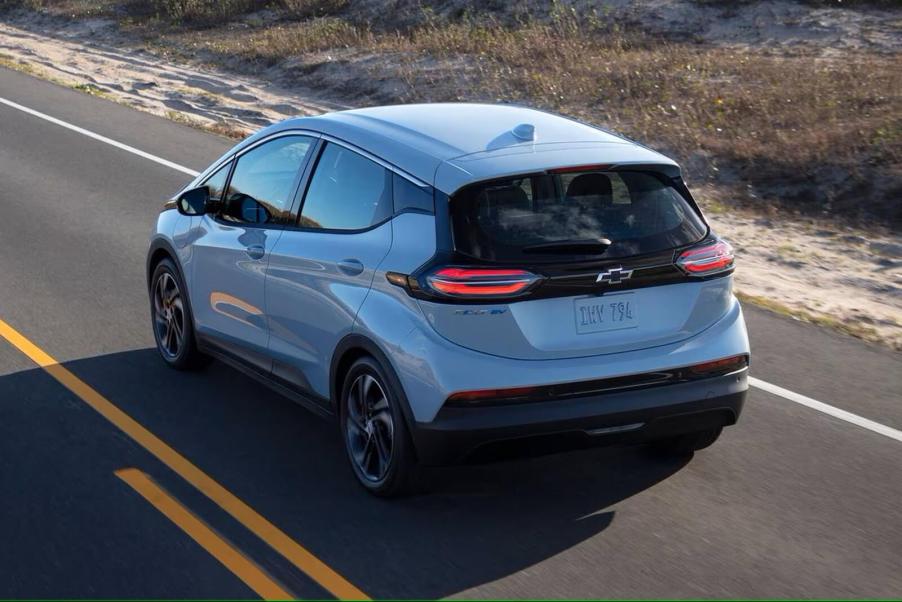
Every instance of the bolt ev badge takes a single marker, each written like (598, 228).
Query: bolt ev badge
(480, 312)
(614, 275)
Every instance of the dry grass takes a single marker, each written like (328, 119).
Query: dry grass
(817, 135)
(733, 104)
(816, 145)
(270, 45)
(220, 128)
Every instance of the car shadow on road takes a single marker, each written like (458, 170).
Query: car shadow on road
(474, 525)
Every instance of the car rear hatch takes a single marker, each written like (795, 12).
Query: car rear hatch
(572, 262)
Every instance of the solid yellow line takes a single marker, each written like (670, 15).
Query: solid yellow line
(221, 550)
(316, 569)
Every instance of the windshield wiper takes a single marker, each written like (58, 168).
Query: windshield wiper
(588, 247)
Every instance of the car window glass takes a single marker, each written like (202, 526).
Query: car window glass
(526, 185)
(347, 192)
(216, 182)
(639, 212)
(262, 186)
(620, 195)
(409, 196)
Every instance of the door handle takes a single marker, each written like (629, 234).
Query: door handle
(351, 267)
(255, 251)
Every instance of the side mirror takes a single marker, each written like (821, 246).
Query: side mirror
(195, 201)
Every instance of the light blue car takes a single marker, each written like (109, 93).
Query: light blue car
(452, 280)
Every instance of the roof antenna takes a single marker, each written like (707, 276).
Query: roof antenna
(525, 131)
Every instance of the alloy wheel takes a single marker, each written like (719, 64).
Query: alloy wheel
(370, 428)
(168, 315)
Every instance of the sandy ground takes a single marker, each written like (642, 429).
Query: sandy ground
(76, 55)
(770, 24)
(843, 277)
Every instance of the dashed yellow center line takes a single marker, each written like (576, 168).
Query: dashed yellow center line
(277, 539)
(241, 566)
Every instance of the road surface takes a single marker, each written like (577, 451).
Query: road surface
(791, 502)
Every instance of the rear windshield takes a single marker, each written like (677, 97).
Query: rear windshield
(516, 219)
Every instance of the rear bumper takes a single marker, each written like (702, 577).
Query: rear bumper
(431, 368)
(459, 434)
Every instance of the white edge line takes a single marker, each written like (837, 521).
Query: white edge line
(109, 141)
(814, 404)
(827, 409)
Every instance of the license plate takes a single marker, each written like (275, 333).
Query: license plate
(611, 312)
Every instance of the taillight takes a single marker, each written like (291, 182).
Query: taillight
(707, 259)
(579, 168)
(480, 282)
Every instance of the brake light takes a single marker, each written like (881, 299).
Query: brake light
(707, 259)
(480, 282)
(578, 168)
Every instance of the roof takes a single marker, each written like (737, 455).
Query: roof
(447, 130)
(449, 145)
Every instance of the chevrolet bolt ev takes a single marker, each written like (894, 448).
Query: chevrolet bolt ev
(448, 279)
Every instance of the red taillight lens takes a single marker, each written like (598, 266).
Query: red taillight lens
(578, 168)
(480, 282)
(707, 259)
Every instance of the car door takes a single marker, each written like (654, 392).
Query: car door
(232, 246)
(320, 272)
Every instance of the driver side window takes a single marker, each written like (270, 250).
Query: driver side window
(262, 185)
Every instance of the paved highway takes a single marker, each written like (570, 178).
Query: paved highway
(236, 492)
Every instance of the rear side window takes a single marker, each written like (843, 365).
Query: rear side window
(410, 197)
(263, 184)
(347, 192)
(638, 212)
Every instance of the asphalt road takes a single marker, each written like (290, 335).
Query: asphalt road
(789, 503)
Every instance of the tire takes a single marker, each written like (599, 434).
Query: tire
(374, 431)
(171, 319)
(685, 445)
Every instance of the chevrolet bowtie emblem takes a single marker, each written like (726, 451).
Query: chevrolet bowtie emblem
(614, 276)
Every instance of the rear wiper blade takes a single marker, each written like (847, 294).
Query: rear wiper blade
(590, 247)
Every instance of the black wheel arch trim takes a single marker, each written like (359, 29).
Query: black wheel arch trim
(354, 341)
(161, 244)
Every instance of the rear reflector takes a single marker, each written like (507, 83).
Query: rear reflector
(483, 394)
(724, 366)
(707, 259)
(480, 282)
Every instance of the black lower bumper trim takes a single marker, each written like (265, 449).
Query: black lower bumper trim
(461, 434)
